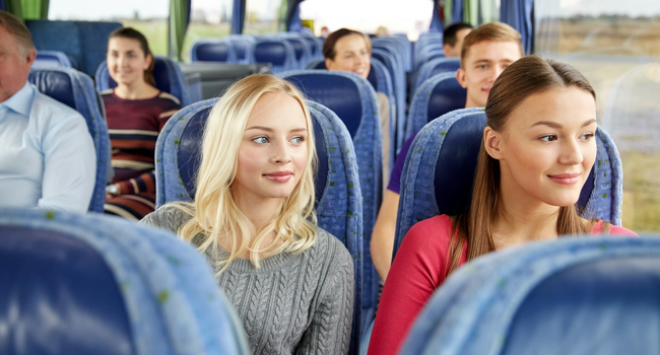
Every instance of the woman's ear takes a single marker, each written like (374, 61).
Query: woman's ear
(493, 143)
(328, 63)
(147, 61)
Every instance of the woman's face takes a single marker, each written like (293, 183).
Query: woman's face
(126, 60)
(273, 152)
(351, 54)
(547, 147)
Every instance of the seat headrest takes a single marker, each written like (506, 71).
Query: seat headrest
(447, 96)
(336, 90)
(161, 75)
(443, 65)
(56, 84)
(216, 51)
(266, 51)
(372, 78)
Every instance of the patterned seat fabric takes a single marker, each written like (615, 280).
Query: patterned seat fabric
(167, 75)
(354, 101)
(399, 85)
(435, 67)
(109, 287)
(439, 173)
(276, 51)
(51, 59)
(571, 296)
(437, 96)
(338, 193)
(76, 90)
(213, 50)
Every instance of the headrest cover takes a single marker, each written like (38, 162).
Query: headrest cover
(447, 96)
(56, 84)
(270, 52)
(212, 52)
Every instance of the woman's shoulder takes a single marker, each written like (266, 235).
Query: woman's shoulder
(167, 217)
(614, 230)
(432, 235)
(329, 247)
(169, 98)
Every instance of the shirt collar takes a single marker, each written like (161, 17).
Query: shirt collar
(21, 102)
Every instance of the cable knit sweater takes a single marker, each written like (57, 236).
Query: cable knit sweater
(293, 304)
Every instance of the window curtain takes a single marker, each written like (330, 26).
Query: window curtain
(14, 7)
(178, 24)
(471, 12)
(35, 9)
(488, 11)
(518, 14)
(238, 17)
(436, 22)
(456, 11)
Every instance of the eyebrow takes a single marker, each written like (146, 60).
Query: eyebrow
(271, 130)
(557, 125)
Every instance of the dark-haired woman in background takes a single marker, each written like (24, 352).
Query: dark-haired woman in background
(136, 112)
(537, 152)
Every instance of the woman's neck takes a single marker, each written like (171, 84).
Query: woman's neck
(522, 218)
(139, 90)
(260, 212)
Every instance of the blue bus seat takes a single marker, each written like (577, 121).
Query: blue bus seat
(51, 59)
(85, 42)
(434, 67)
(431, 188)
(572, 296)
(94, 284)
(353, 99)
(242, 47)
(276, 51)
(300, 46)
(428, 54)
(213, 50)
(316, 64)
(437, 95)
(338, 196)
(167, 75)
(315, 44)
(399, 85)
(76, 90)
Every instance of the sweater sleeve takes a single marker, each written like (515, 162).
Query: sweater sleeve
(418, 269)
(143, 183)
(330, 329)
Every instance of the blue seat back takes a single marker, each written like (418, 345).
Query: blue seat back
(338, 196)
(85, 42)
(167, 75)
(76, 90)
(301, 48)
(242, 47)
(109, 286)
(434, 67)
(571, 296)
(51, 59)
(213, 50)
(437, 95)
(399, 85)
(354, 101)
(276, 51)
(439, 173)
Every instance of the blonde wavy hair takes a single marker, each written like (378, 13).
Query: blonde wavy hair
(214, 213)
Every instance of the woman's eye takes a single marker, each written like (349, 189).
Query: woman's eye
(297, 139)
(549, 138)
(260, 140)
(587, 136)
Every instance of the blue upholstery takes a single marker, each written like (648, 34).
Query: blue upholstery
(439, 172)
(301, 48)
(85, 42)
(242, 47)
(434, 67)
(595, 295)
(76, 90)
(353, 99)
(338, 203)
(93, 284)
(51, 59)
(437, 95)
(213, 50)
(398, 77)
(428, 54)
(315, 44)
(276, 51)
(167, 75)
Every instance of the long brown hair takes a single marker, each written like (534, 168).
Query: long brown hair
(131, 33)
(525, 77)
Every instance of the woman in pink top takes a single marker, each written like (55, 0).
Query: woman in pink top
(537, 152)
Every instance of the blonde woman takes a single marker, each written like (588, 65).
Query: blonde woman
(290, 281)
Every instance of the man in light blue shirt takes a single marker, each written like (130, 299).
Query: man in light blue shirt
(47, 156)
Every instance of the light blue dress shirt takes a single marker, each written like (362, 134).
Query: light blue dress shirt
(47, 156)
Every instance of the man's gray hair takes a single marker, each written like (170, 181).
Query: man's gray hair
(17, 29)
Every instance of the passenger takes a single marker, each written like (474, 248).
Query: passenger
(452, 38)
(47, 156)
(349, 50)
(382, 31)
(486, 52)
(136, 112)
(253, 217)
(537, 152)
(325, 31)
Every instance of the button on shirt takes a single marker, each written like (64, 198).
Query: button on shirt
(47, 156)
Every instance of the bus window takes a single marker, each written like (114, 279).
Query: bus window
(208, 19)
(148, 17)
(616, 45)
(264, 16)
(411, 17)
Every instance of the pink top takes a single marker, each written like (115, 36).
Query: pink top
(417, 271)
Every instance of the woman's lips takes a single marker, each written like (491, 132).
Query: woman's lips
(565, 179)
(279, 176)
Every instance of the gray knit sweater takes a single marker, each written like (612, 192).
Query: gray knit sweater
(294, 304)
